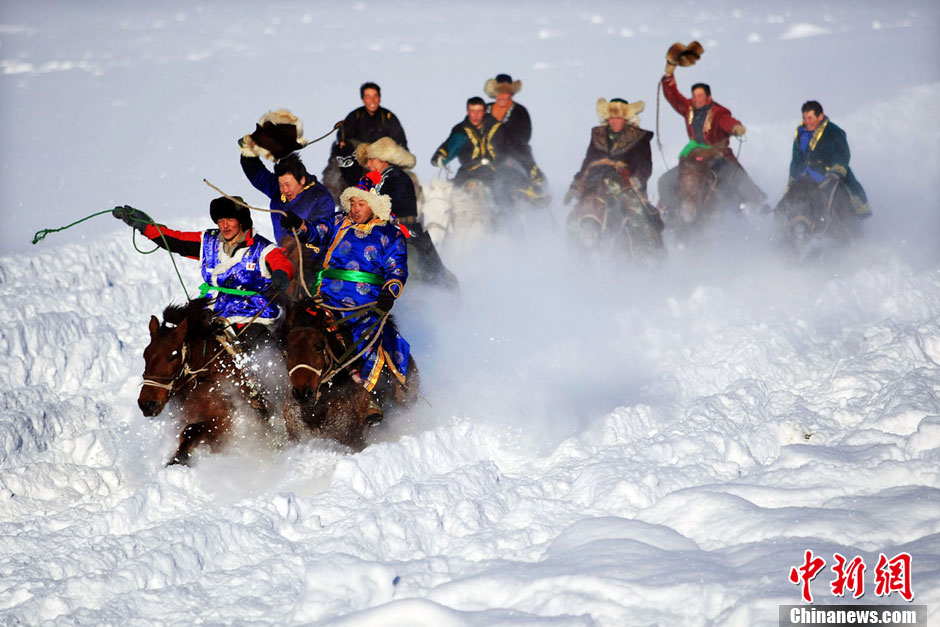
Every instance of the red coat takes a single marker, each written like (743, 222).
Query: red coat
(718, 122)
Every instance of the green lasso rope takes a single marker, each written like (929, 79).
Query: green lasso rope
(41, 235)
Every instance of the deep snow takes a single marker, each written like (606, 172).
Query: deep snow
(594, 447)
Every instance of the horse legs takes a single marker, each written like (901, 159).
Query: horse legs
(197, 433)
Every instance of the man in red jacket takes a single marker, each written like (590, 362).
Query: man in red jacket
(711, 125)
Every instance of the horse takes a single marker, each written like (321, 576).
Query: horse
(610, 219)
(689, 194)
(187, 358)
(328, 403)
(810, 214)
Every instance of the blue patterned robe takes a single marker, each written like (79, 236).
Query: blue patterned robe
(376, 247)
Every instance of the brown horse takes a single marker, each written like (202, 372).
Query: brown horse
(697, 191)
(612, 217)
(809, 215)
(187, 359)
(328, 402)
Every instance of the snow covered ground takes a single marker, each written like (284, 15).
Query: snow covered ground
(595, 447)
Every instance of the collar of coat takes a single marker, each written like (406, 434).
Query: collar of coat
(486, 127)
(817, 134)
(365, 228)
(243, 242)
(622, 140)
(709, 116)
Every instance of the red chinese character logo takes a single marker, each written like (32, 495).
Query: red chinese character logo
(851, 575)
(806, 573)
(894, 575)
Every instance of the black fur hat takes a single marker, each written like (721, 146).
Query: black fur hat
(223, 207)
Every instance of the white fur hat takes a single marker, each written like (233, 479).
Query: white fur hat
(619, 108)
(385, 149)
(503, 83)
(380, 204)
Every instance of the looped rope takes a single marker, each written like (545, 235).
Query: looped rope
(40, 235)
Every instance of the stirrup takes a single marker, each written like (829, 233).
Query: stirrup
(374, 413)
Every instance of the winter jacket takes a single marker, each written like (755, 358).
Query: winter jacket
(362, 127)
(249, 267)
(379, 249)
(718, 121)
(313, 203)
(397, 185)
(630, 147)
(479, 150)
(826, 151)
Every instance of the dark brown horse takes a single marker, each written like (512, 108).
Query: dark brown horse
(810, 214)
(612, 218)
(328, 403)
(187, 360)
(698, 193)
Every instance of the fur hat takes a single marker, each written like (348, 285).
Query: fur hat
(223, 207)
(619, 108)
(385, 149)
(380, 204)
(685, 56)
(502, 84)
(277, 134)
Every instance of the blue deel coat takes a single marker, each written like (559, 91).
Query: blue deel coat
(824, 151)
(246, 269)
(314, 203)
(376, 247)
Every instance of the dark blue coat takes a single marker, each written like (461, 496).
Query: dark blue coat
(314, 203)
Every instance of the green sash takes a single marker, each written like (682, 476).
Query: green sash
(692, 145)
(205, 288)
(354, 276)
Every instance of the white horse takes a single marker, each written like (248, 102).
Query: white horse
(458, 216)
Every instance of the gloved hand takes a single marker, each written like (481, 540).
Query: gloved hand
(738, 130)
(291, 222)
(571, 195)
(670, 68)
(280, 281)
(832, 179)
(437, 161)
(132, 217)
(248, 146)
(385, 301)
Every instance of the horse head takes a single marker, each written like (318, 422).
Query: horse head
(306, 349)
(164, 363)
(697, 183)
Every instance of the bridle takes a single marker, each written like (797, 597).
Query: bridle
(171, 381)
(185, 374)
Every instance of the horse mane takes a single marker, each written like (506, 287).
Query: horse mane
(200, 322)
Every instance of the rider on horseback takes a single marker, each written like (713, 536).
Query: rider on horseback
(620, 146)
(480, 144)
(291, 188)
(386, 163)
(238, 265)
(517, 126)
(821, 154)
(709, 125)
(365, 261)
(363, 125)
